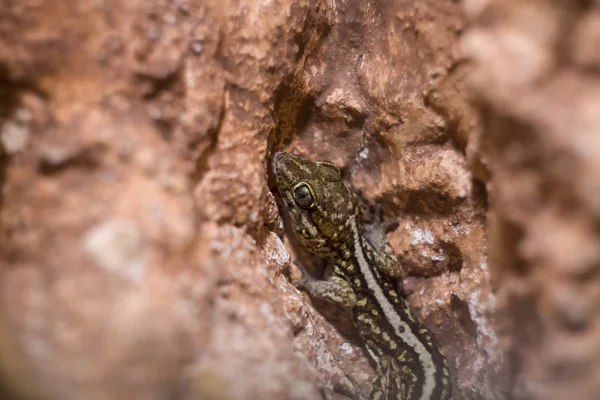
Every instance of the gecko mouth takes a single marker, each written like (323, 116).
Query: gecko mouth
(276, 162)
(278, 169)
(272, 171)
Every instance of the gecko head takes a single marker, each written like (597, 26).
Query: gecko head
(320, 206)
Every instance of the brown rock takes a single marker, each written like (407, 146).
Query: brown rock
(141, 248)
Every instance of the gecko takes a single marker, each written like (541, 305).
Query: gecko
(327, 219)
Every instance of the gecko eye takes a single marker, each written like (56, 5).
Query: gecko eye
(303, 196)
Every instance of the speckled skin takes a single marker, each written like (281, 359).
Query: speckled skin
(326, 218)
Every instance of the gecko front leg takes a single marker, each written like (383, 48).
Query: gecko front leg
(335, 289)
(375, 232)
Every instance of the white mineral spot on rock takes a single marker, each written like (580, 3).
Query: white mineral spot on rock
(119, 247)
(254, 216)
(14, 137)
(197, 47)
(346, 348)
(478, 310)
(55, 155)
(422, 236)
(438, 257)
(309, 329)
(363, 153)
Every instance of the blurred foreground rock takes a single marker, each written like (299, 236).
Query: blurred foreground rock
(535, 79)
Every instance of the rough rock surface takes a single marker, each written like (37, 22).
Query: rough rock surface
(142, 253)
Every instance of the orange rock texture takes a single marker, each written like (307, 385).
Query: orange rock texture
(142, 254)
